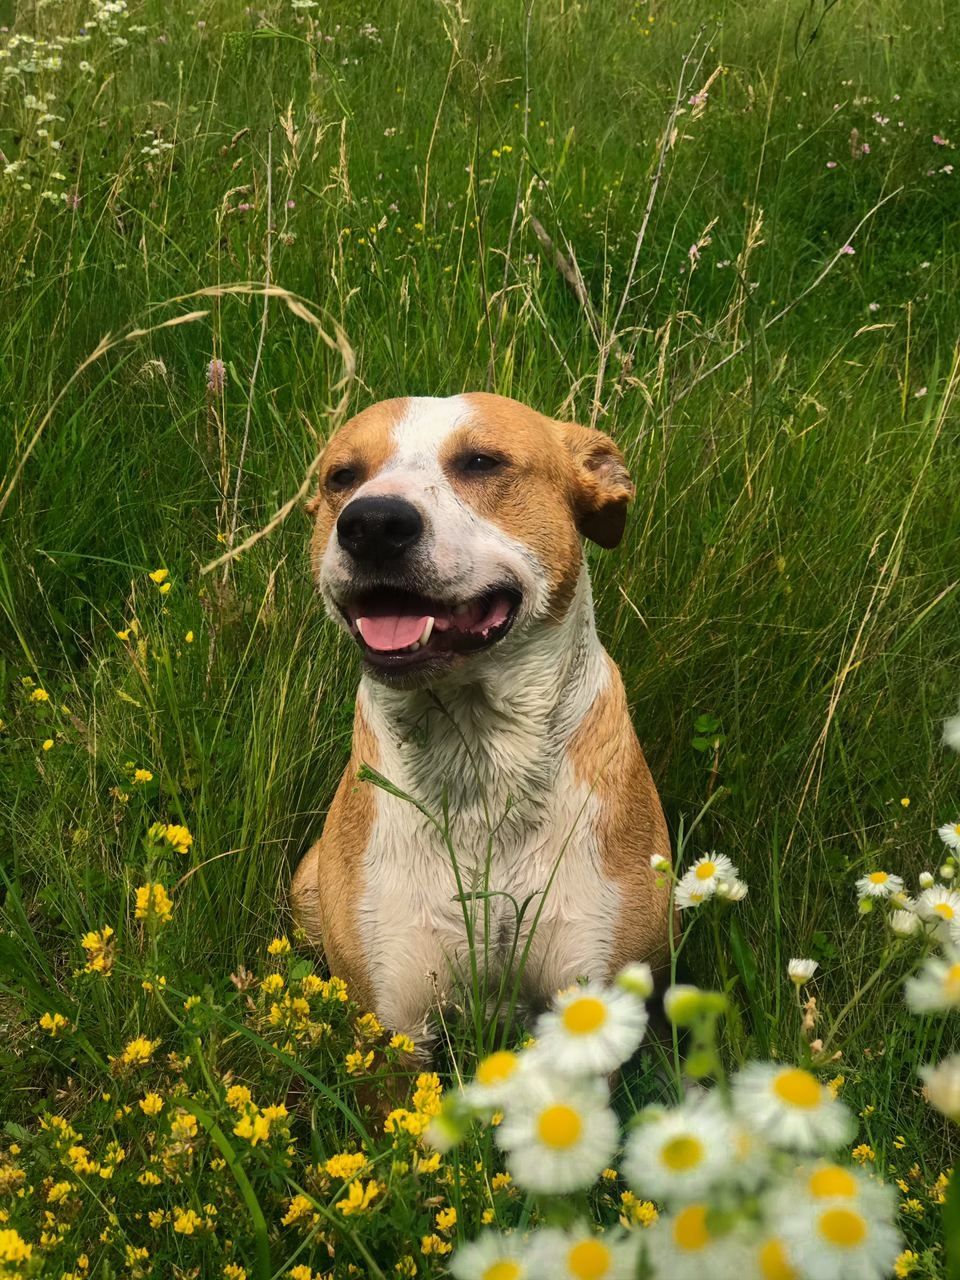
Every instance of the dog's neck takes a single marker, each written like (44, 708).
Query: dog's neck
(496, 741)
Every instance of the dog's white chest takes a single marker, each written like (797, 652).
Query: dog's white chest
(529, 890)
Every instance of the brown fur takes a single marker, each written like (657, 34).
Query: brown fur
(328, 884)
(607, 756)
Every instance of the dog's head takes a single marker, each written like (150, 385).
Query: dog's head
(445, 525)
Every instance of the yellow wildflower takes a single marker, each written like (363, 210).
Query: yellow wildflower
(500, 1180)
(406, 1267)
(905, 1264)
(151, 1104)
(299, 1207)
(39, 695)
(186, 1221)
(446, 1218)
(159, 576)
(13, 1248)
(430, 1163)
(426, 1098)
(156, 1218)
(863, 1153)
(178, 837)
(232, 1271)
(359, 1197)
(149, 1179)
(609, 1175)
(336, 989)
(406, 1121)
(53, 1024)
(433, 1244)
(302, 1272)
(272, 984)
(636, 1212)
(99, 948)
(137, 1052)
(835, 1085)
(486, 1217)
(142, 775)
(358, 1062)
(59, 1192)
(153, 903)
(189, 639)
(279, 946)
(165, 588)
(184, 1126)
(403, 1043)
(47, 744)
(238, 1095)
(124, 634)
(345, 1164)
(369, 1027)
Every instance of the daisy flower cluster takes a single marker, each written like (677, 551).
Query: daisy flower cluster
(712, 875)
(744, 1173)
(932, 914)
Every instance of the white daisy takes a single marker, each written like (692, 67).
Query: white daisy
(659, 863)
(937, 986)
(491, 1257)
(942, 1086)
(790, 1107)
(679, 1154)
(590, 1030)
(711, 869)
(579, 1254)
(770, 1260)
(687, 1246)
(801, 971)
(558, 1133)
(691, 893)
(825, 1182)
(949, 833)
(495, 1079)
(879, 884)
(904, 923)
(840, 1238)
(926, 880)
(951, 732)
(940, 907)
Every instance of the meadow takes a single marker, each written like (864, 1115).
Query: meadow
(728, 236)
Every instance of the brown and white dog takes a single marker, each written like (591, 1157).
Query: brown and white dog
(447, 544)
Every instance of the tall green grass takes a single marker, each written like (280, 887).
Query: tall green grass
(784, 606)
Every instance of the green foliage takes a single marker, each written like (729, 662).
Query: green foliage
(783, 607)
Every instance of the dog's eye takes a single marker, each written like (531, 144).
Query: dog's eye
(478, 462)
(342, 478)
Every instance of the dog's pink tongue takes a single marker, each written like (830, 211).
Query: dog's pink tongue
(391, 630)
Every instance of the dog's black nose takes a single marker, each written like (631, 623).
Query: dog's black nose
(373, 529)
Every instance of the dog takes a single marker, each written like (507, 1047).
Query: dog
(447, 545)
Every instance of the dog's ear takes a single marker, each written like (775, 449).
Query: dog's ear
(312, 505)
(601, 484)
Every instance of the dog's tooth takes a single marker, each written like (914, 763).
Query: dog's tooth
(359, 625)
(427, 632)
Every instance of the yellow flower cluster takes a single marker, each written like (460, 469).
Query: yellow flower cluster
(427, 1100)
(256, 1125)
(359, 1196)
(153, 903)
(53, 1024)
(177, 837)
(99, 946)
(137, 1053)
(346, 1164)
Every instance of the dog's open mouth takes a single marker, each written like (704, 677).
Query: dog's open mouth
(400, 628)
